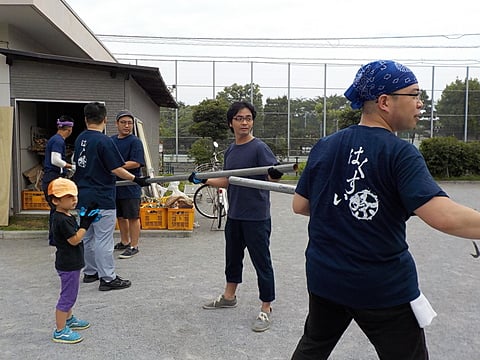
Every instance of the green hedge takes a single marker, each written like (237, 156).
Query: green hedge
(448, 157)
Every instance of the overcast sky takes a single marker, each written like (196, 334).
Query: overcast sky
(287, 20)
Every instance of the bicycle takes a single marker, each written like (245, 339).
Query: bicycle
(210, 201)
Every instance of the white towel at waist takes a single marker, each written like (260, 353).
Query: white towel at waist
(423, 310)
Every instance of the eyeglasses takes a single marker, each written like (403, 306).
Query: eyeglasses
(240, 118)
(415, 95)
(121, 122)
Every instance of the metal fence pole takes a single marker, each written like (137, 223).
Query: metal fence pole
(465, 136)
(433, 102)
(325, 101)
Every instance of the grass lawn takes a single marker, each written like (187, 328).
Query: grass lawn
(26, 222)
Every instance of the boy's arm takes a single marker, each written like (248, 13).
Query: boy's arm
(77, 238)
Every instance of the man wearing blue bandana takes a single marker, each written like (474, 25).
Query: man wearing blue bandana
(359, 187)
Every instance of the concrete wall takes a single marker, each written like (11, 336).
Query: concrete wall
(146, 110)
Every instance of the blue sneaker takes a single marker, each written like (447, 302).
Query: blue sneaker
(77, 324)
(66, 336)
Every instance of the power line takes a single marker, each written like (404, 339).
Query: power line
(446, 36)
(307, 61)
(326, 42)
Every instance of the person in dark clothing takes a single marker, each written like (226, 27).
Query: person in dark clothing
(55, 163)
(128, 197)
(68, 257)
(248, 222)
(359, 187)
(97, 160)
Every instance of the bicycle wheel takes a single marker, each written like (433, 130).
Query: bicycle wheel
(205, 201)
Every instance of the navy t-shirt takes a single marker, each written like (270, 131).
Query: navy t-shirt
(55, 144)
(249, 203)
(67, 257)
(363, 183)
(95, 157)
(131, 149)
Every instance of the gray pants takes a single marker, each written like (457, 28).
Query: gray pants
(98, 243)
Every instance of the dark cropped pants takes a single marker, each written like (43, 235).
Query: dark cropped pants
(255, 236)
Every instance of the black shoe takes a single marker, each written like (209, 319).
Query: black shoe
(127, 254)
(121, 246)
(90, 278)
(116, 284)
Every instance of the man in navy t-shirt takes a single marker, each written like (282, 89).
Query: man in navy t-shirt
(359, 187)
(55, 164)
(248, 220)
(128, 197)
(97, 162)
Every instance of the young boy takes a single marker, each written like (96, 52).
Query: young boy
(68, 257)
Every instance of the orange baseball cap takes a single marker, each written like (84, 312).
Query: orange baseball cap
(61, 187)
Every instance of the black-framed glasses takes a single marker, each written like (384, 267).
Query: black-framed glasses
(240, 118)
(416, 95)
(122, 122)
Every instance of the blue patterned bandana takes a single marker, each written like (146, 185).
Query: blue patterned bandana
(378, 78)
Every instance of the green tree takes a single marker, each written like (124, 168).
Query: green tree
(336, 104)
(209, 120)
(168, 128)
(275, 118)
(201, 151)
(237, 92)
(347, 117)
(451, 110)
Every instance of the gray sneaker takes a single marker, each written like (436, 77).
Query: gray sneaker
(220, 303)
(262, 322)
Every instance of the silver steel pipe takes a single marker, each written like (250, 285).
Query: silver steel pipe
(261, 170)
(264, 185)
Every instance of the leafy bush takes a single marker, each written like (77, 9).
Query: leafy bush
(448, 157)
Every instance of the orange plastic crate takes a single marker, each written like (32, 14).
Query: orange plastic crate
(153, 218)
(34, 200)
(180, 219)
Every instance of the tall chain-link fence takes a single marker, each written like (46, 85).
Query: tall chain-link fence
(295, 110)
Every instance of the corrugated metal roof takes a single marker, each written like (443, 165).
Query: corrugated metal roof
(149, 78)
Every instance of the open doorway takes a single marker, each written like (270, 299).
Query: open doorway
(35, 123)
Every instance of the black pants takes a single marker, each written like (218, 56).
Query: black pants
(394, 332)
(255, 236)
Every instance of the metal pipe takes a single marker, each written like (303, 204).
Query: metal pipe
(262, 170)
(264, 185)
